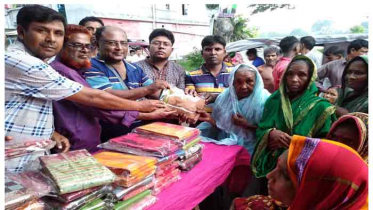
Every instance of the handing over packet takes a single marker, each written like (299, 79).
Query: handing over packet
(182, 103)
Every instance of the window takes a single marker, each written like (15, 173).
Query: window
(184, 8)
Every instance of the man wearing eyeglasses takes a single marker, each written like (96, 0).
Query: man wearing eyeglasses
(112, 73)
(157, 66)
(72, 119)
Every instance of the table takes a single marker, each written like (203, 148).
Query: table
(196, 184)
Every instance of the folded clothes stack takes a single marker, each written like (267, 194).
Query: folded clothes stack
(79, 178)
(179, 134)
(143, 145)
(192, 156)
(75, 171)
(130, 169)
(24, 190)
(21, 149)
(167, 173)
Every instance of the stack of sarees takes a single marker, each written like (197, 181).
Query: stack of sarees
(133, 187)
(80, 179)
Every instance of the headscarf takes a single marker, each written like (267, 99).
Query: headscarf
(327, 175)
(307, 115)
(361, 122)
(346, 99)
(250, 107)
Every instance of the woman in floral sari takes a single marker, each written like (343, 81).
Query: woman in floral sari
(314, 174)
(293, 109)
(354, 94)
(352, 130)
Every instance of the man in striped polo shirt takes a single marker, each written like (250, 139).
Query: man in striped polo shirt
(212, 78)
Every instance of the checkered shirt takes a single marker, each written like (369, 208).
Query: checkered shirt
(30, 87)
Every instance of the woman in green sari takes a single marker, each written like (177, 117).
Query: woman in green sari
(353, 96)
(295, 109)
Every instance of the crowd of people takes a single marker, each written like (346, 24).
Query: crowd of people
(73, 84)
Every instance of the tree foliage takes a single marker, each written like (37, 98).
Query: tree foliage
(212, 6)
(358, 29)
(192, 60)
(264, 7)
(299, 32)
(322, 27)
(241, 31)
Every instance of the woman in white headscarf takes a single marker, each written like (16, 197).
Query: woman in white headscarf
(237, 110)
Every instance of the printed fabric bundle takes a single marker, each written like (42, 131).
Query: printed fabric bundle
(80, 202)
(120, 192)
(130, 169)
(21, 149)
(153, 145)
(174, 132)
(182, 103)
(166, 180)
(75, 171)
(25, 188)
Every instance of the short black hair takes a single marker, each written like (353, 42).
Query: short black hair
(287, 44)
(308, 41)
(83, 21)
(334, 50)
(251, 51)
(132, 51)
(162, 32)
(37, 13)
(272, 49)
(210, 40)
(357, 45)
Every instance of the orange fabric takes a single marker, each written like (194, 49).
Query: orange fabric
(334, 175)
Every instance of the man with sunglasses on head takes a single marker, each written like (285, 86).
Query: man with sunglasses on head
(110, 72)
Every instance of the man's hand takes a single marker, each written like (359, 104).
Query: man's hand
(279, 139)
(62, 143)
(157, 85)
(210, 98)
(192, 92)
(150, 105)
(158, 114)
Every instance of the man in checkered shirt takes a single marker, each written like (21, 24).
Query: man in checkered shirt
(31, 84)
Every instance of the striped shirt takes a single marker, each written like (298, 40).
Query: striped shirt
(102, 76)
(30, 87)
(204, 82)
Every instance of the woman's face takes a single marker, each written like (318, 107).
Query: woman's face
(331, 95)
(346, 133)
(244, 82)
(357, 76)
(280, 186)
(297, 77)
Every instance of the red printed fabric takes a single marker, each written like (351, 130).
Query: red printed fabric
(146, 143)
(69, 197)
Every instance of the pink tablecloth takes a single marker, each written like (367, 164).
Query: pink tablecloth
(196, 184)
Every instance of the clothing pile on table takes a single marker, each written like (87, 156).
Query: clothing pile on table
(128, 173)
(187, 138)
(66, 181)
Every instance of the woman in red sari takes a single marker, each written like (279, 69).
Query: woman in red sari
(315, 174)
